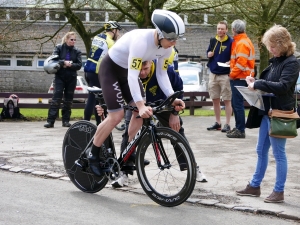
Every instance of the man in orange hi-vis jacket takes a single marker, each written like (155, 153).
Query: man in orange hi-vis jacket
(242, 64)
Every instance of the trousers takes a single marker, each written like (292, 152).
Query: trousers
(263, 145)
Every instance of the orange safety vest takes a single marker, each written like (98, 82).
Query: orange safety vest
(242, 60)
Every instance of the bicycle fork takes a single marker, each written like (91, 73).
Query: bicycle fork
(159, 150)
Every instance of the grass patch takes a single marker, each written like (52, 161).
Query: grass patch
(77, 114)
(42, 114)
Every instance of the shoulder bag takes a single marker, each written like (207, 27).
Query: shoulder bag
(283, 123)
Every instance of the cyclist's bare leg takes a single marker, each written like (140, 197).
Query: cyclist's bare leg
(107, 125)
(134, 125)
(103, 131)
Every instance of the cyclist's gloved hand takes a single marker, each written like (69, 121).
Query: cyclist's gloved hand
(100, 110)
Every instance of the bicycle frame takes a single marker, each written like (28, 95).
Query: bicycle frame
(148, 127)
(168, 177)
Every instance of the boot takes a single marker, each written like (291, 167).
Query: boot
(249, 191)
(49, 125)
(275, 197)
(94, 160)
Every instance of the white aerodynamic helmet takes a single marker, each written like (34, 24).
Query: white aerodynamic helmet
(168, 24)
(112, 25)
(51, 64)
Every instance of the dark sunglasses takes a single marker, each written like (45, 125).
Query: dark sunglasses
(72, 39)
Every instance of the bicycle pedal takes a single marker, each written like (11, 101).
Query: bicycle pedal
(79, 163)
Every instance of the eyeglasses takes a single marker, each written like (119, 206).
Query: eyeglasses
(72, 39)
(172, 39)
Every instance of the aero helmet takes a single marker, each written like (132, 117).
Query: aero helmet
(112, 25)
(51, 64)
(168, 24)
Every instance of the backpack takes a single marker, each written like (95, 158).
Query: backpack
(11, 109)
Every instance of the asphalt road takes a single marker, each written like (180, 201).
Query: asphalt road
(28, 200)
(228, 164)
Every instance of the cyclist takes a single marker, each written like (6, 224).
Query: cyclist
(166, 118)
(119, 72)
(100, 45)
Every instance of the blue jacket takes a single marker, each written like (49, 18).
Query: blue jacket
(222, 53)
(152, 89)
(100, 45)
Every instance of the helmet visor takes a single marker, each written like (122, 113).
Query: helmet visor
(171, 36)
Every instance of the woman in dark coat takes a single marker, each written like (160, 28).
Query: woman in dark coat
(65, 80)
(279, 78)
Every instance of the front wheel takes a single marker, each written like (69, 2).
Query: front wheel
(76, 139)
(172, 181)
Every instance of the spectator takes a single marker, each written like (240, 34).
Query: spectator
(100, 45)
(166, 119)
(242, 64)
(65, 79)
(173, 59)
(279, 78)
(120, 71)
(219, 84)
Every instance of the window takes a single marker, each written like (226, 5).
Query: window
(40, 63)
(5, 60)
(24, 62)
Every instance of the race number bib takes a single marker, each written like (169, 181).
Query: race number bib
(165, 65)
(136, 64)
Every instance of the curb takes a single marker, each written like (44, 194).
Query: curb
(193, 201)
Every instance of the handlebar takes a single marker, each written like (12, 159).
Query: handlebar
(160, 105)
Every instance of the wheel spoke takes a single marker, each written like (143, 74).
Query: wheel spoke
(171, 184)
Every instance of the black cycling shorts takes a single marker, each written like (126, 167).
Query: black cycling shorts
(114, 84)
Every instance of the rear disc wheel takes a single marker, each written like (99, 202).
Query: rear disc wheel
(76, 139)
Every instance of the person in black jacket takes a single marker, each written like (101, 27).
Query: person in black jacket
(100, 45)
(65, 79)
(279, 78)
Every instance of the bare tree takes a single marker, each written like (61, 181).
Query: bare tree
(261, 15)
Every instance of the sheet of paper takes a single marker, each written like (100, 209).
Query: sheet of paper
(223, 64)
(252, 97)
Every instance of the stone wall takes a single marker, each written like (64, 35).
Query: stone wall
(26, 81)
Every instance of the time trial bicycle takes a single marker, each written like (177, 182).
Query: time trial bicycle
(168, 180)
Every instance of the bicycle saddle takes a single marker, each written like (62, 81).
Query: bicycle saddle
(94, 89)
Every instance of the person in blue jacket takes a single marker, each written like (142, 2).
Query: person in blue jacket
(166, 119)
(219, 51)
(100, 45)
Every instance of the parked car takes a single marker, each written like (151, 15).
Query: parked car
(191, 82)
(81, 88)
(190, 65)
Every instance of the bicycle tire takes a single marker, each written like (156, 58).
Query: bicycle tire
(170, 186)
(75, 141)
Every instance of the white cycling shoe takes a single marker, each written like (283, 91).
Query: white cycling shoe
(121, 181)
(200, 176)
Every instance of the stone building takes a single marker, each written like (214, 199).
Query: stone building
(21, 69)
